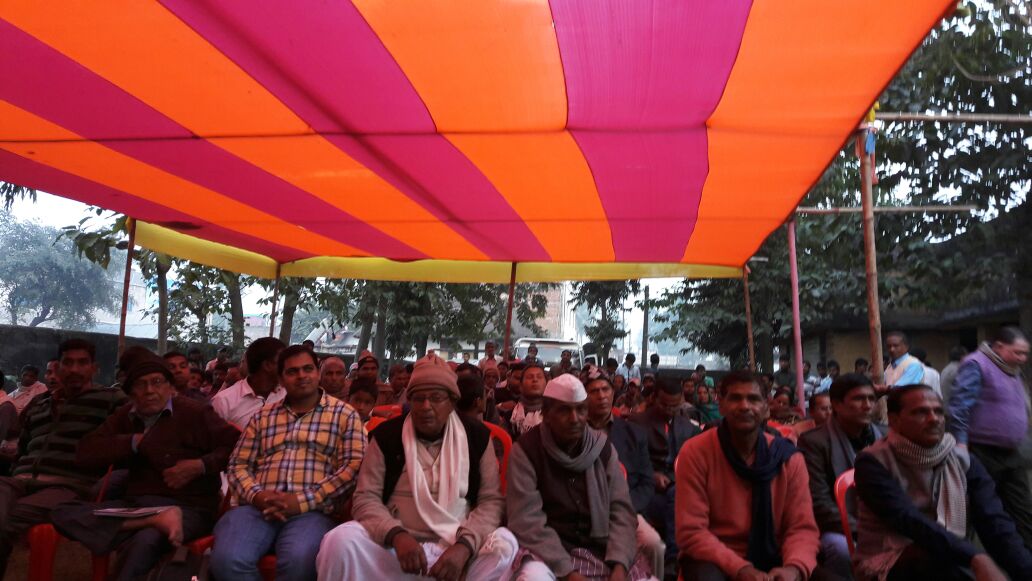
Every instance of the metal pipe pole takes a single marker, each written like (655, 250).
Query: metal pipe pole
(887, 209)
(871, 262)
(645, 329)
(957, 118)
(275, 300)
(508, 312)
(748, 320)
(797, 330)
(129, 251)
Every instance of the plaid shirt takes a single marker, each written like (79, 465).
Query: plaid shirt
(315, 455)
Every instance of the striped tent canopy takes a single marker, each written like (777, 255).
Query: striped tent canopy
(443, 140)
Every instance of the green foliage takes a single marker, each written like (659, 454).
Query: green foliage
(607, 298)
(42, 279)
(10, 192)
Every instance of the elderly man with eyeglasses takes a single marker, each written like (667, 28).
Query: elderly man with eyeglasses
(174, 449)
(428, 501)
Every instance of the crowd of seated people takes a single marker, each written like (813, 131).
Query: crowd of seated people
(465, 472)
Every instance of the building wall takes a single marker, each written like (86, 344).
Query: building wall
(846, 347)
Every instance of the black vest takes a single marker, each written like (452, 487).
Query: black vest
(564, 494)
(388, 438)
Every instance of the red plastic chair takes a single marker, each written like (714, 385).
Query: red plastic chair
(43, 540)
(266, 565)
(388, 411)
(843, 483)
(373, 422)
(502, 436)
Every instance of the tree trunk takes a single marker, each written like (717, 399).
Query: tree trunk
(236, 308)
(286, 321)
(363, 335)
(421, 346)
(765, 352)
(162, 274)
(604, 346)
(43, 315)
(380, 339)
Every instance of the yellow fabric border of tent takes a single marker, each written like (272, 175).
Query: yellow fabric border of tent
(167, 241)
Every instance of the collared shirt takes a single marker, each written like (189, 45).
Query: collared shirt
(633, 372)
(238, 402)
(149, 421)
(912, 374)
(23, 395)
(315, 455)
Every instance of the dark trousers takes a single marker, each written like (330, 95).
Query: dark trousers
(24, 503)
(8, 418)
(140, 549)
(915, 563)
(706, 571)
(1007, 469)
(660, 515)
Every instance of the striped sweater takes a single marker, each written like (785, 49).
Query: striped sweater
(51, 433)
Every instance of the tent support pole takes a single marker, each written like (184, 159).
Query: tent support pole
(748, 320)
(871, 262)
(508, 312)
(645, 328)
(797, 331)
(275, 301)
(129, 251)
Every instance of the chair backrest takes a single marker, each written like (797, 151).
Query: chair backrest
(498, 433)
(373, 422)
(389, 411)
(842, 485)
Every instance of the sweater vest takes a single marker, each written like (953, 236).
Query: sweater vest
(388, 438)
(1000, 418)
(564, 494)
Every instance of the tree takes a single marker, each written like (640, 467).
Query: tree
(197, 293)
(607, 298)
(977, 61)
(10, 192)
(42, 279)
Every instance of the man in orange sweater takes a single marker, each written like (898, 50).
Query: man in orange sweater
(743, 507)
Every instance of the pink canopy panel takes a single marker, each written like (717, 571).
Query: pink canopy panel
(444, 140)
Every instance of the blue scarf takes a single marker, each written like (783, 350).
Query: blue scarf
(763, 552)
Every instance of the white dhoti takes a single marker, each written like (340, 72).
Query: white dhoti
(348, 552)
(651, 545)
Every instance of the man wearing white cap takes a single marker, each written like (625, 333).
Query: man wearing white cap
(567, 499)
(438, 520)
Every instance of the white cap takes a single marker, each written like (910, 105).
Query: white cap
(566, 388)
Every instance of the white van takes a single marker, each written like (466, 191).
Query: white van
(550, 350)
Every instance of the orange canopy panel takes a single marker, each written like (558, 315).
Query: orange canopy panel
(443, 140)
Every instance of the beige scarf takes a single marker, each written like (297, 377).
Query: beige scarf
(449, 472)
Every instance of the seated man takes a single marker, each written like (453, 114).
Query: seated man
(526, 414)
(831, 450)
(179, 365)
(667, 431)
(567, 499)
(631, 444)
(397, 380)
(743, 503)
(239, 401)
(919, 494)
(428, 500)
(471, 403)
(819, 411)
(296, 460)
(333, 377)
(46, 474)
(174, 449)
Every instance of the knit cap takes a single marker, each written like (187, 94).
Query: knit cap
(432, 372)
(145, 366)
(367, 356)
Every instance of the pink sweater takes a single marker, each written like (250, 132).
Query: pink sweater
(714, 509)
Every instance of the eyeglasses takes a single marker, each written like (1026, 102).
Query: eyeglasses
(157, 382)
(434, 399)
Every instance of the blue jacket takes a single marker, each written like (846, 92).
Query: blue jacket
(633, 449)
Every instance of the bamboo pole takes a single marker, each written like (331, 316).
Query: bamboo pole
(129, 251)
(275, 300)
(797, 330)
(748, 320)
(887, 209)
(871, 262)
(956, 118)
(508, 313)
